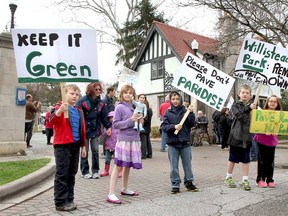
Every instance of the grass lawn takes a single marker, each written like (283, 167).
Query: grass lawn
(10, 171)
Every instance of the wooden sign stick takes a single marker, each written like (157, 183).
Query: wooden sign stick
(63, 95)
(258, 93)
(184, 117)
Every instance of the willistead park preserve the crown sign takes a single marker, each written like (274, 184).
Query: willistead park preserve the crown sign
(55, 55)
(263, 62)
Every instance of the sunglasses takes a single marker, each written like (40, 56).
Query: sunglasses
(97, 89)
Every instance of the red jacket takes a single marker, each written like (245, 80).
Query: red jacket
(48, 125)
(63, 130)
(163, 107)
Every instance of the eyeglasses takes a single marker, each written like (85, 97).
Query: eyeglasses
(272, 101)
(97, 89)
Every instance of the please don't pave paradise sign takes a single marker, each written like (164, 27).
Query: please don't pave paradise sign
(259, 61)
(55, 55)
(203, 81)
(269, 122)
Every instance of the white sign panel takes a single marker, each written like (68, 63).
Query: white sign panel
(55, 55)
(259, 61)
(127, 76)
(203, 81)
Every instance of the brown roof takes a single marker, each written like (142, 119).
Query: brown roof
(180, 40)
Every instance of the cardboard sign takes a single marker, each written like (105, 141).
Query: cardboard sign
(269, 122)
(55, 55)
(203, 81)
(259, 61)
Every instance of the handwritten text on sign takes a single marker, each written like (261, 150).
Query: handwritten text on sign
(203, 82)
(55, 55)
(269, 121)
(263, 62)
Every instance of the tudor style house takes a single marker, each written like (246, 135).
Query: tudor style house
(160, 56)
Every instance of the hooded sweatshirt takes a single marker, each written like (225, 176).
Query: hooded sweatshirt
(172, 117)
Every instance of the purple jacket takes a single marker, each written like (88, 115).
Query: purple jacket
(110, 142)
(122, 121)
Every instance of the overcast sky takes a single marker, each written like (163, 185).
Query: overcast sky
(37, 14)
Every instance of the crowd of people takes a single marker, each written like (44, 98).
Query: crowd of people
(124, 126)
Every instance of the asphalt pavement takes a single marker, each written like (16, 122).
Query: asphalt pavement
(153, 184)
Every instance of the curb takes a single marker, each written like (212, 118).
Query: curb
(28, 181)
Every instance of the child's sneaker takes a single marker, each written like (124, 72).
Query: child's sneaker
(229, 182)
(262, 184)
(87, 176)
(271, 184)
(245, 185)
(191, 187)
(175, 190)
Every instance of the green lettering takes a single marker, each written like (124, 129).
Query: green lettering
(83, 68)
(38, 70)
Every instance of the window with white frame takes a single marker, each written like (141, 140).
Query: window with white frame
(157, 69)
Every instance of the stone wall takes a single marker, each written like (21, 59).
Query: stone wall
(12, 117)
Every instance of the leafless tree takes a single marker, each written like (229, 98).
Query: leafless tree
(267, 18)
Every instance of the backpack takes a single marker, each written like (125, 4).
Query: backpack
(216, 116)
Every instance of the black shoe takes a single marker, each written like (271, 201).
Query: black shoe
(143, 158)
(191, 187)
(29, 146)
(49, 143)
(149, 157)
(175, 190)
(66, 207)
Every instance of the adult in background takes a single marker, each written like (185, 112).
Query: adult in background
(224, 125)
(95, 113)
(201, 127)
(146, 147)
(31, 109)
(49, 131)
(163, 107)
(109, 100)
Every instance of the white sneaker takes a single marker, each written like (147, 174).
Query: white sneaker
(87, 176)
(95, 176)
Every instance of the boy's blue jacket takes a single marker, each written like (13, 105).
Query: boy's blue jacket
(240, 135)
(172, 117)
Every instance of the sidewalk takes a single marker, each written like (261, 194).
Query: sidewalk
(152, 182)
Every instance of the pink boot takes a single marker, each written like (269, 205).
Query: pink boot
(106, 170)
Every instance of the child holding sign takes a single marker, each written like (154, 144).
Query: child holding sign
(70, 136)
(179, 143)
(240, 137)
(266, 149)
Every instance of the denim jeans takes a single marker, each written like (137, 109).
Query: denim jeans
(94, 144)
(67, 160)
(108, 156)
(186, 157)
(254, 149)
(164, 140)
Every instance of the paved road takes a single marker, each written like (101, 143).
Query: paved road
(152, 182)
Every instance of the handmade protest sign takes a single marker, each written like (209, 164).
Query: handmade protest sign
(259, 61)
(203, 81)
(55, 55)
(269, 122)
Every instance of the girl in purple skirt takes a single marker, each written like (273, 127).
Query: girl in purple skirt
(128, 146)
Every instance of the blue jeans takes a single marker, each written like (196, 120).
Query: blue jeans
(108, 156)
(164, 140)
(94, 144)
(253, 149)
(186, 157)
